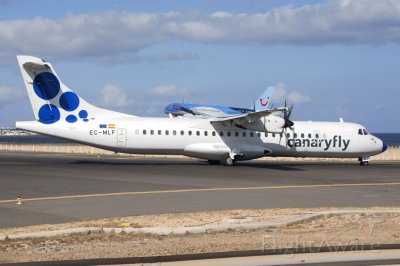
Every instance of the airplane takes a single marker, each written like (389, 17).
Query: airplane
(62, 113)
(183, 109)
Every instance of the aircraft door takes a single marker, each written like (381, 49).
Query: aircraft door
(121, 137)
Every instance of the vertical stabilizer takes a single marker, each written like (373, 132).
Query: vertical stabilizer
(51, 100)
(264, 102)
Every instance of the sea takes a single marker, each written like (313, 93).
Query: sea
(391, 139)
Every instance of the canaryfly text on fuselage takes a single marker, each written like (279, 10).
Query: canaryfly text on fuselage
(326, 144)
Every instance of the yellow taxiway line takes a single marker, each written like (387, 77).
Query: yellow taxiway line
(133, 193)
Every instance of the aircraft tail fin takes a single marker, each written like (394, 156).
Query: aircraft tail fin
(264, 102)
(51, 100)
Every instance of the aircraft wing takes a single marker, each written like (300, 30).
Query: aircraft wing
(249, 117)
(194, 112)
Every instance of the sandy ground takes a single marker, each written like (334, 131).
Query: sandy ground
(330, 230)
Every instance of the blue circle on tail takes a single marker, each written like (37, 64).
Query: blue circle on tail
(71, 119)
(83, 114)
(69, 101)
(46, 85)
(49, 114)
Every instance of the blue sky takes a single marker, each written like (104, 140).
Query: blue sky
(330, 58)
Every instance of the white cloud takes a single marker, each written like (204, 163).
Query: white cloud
(113, 96)
(118, 33)
(148, 101)
(295, 97)
(9, 94)
(167, 91)
(149, 58)
(282, 93)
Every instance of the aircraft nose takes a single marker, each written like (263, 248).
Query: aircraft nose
(384, 147)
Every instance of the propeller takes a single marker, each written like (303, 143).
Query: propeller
(288, 122)
(286, 117)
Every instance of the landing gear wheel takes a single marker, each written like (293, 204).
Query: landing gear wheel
(363, 162)
(228, 161)
(213, 162)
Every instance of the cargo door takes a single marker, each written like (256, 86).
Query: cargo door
(121, 137)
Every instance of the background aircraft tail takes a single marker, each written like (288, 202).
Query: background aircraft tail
(264, 102)
(51, 100)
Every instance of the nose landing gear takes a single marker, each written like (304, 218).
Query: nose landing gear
(364, 160)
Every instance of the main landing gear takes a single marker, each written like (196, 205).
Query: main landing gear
(227, 161)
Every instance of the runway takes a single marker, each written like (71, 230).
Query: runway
(59, 188)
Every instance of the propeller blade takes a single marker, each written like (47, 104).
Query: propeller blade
(290, 111)
(286, 138)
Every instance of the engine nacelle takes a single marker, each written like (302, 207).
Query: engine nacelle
(271, 123)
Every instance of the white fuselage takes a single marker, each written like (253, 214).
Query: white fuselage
(200, 139)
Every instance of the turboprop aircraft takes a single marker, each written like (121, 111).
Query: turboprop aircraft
(62, 113)
(187, 109)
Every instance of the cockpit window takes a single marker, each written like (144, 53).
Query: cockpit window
(362, 131)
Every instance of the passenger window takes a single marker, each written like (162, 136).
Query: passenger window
(198, 133)
(288, 135)
(309, 135)
(266, 134)
(205, 133)
(273, 135)
(151, 132)
(159, 132)
(295, 135)
(244, 134)
(251, 134)
(317, 136)
(182, 132)
(228, 133)
(259, 134)
(174, 132)
(221, 133)
(190, 132)
(236, 134)
(166, 132)
(144, 132)
(213, 133)
(302, 135)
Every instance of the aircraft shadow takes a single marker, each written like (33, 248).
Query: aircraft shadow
(141, 162)
(273, 166)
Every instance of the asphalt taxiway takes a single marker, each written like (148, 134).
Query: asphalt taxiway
(59, 188)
